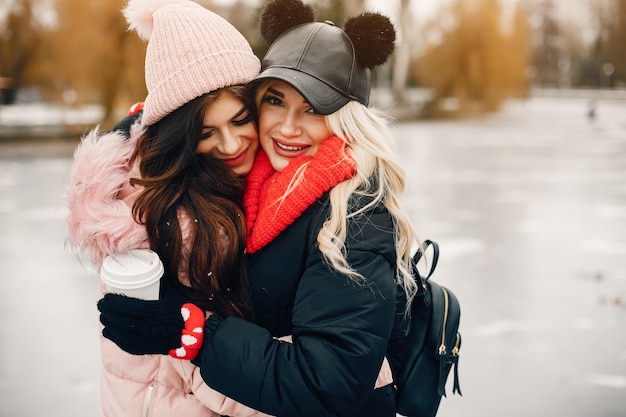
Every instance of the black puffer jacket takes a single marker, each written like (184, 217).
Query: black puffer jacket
(340, 330)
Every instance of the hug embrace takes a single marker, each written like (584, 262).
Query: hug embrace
(272, 194)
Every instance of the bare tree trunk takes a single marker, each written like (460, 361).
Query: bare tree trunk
(402, 59)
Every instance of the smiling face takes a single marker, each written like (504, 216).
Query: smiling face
(288, 125)
(229, 133)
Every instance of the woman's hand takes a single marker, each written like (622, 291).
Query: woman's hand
(164, 326)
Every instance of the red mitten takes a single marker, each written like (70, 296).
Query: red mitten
(193, 333)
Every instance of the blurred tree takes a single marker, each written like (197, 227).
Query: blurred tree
(519, 43)
(473, 59)
(97, 59)
(613, 52)
(603, 64)
(244, 17)
(563, 54)
(120, 76)
(238, 14)
(590, 63)
(21, 36)
(546, 55)
(83, 55)
(402, 55)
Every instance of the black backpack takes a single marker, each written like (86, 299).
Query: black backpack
(434, 342)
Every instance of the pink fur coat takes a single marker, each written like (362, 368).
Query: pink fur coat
(100, 197)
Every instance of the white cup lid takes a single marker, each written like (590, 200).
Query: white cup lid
(134, 269)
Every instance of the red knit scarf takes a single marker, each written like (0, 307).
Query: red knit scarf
(269, 211)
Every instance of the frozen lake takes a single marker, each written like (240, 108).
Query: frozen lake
(528, 206)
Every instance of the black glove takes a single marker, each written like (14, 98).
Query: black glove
(124, 125)
(143, 327)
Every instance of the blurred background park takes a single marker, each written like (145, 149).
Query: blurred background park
(453, 57)
(512, 126)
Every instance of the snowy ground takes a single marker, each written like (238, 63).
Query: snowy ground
(43, 114)
(528, 205)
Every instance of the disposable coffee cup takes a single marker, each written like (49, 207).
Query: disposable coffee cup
(136, 273)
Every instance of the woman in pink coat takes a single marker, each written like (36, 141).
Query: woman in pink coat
(174, 185)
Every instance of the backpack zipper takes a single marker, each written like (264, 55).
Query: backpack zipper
(442, 347)
(455, 349)
(453, 361)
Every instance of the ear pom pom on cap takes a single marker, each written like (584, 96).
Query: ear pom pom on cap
(278, 16)
(138, 14)
(373, 37)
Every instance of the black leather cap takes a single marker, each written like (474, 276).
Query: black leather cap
(318, 60)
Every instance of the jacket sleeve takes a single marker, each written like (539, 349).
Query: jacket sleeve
(100, 197)
(216, 401)
(340, 335)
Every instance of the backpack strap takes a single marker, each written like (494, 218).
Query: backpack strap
(433, 264)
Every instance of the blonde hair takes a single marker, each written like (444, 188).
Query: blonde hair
(379, 177)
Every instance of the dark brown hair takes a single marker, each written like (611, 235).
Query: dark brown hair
(176, 178)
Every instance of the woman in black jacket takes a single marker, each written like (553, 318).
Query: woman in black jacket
(328, 241)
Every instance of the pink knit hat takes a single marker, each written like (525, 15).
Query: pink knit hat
(191, 51)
